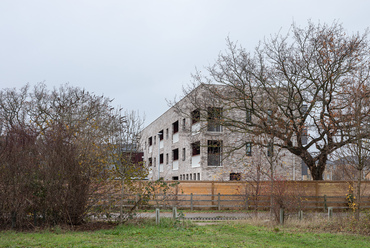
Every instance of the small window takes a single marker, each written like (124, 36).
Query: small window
(155, 162)
(214, 119)
(150, 162)
(235, 176)
(175, 127)
(304, 109)
(155, 139)
(270, 150)
(195, 148)
(161, 135)
(183, 124)
(183, 154)
(175, 178)
(214, 152)
(304, 136)
(150, 141)
(195, 116)
(191, 177)
(161, 158)
(166, 158)
(248, 147)
(167, 133)
(175, 154)
(187, 176)
(198, 176)
(180, 177)
(269, 116)
(248, 117)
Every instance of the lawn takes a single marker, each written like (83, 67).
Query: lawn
(147, 234)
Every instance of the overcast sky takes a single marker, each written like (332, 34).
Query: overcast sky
(142, 52)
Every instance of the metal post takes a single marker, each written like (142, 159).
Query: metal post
(191, 201)
(330, 212)
(281, 216)
(174, 213)
(218, 201)
(157, 217)
(325, 205)
(300, 214)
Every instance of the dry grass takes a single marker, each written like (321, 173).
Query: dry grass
(319, 223)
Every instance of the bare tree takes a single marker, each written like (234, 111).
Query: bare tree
(127, 155)
(356, 156)
(54, 152)
(292, 90)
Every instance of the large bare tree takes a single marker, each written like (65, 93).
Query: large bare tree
(291, 90)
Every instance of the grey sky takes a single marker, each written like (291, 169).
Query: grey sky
(142, 52)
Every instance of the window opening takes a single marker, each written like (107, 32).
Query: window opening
(214, 119)
(214, 152)
(248, 147)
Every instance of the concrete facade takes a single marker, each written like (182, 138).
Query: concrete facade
(190, 149)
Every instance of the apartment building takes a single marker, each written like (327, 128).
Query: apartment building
(179, 145)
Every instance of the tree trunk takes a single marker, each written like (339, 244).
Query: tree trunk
(317, 172)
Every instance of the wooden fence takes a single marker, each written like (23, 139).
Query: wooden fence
(233, 202)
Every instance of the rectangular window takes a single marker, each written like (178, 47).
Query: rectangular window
(166, 158)
(269, 116)
(198, 176)
(150, 162)
(183, 124)
(161, 158)
(155, 139)
(248, 116)
(304, 169)
(214, 119)
(161, 135)
(155, 162)
(270, 150)
(214, 152)
(180, 177)
(150, 141)
(195, 147)
(248, 147)
(195, 116)
(304, 109)
(183, 154)
(175, 127)
(167, 133)
(304, 136)
(175, 154)
(235, 176)
(191, 177)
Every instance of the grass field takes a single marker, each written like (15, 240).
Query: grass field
(170, 234)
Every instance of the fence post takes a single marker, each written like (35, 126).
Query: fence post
(191, 201)
(136, 200)
(330, 212)
(218, 201)
(174, 213)
(157, 217)
(246, 202)
(281, 216)
(300, 214)
(325, 206)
